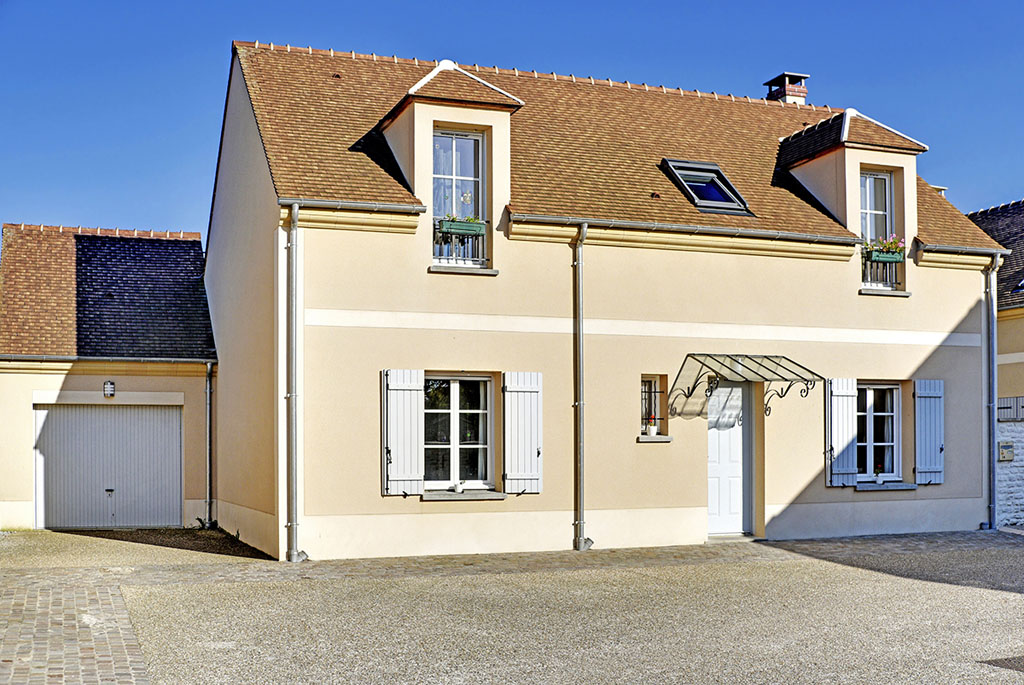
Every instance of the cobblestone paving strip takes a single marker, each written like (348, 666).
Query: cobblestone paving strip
(68, 635)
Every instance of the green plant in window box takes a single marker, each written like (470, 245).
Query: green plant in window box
(467, 225)
(891, 249)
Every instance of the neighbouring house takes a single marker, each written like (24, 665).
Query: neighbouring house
(476, 309)
(1005, 224)
(106, 351)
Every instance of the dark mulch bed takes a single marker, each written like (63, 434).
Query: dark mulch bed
(195, 539)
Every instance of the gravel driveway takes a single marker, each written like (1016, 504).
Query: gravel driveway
(928, 608)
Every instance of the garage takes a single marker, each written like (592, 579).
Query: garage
(108, 466)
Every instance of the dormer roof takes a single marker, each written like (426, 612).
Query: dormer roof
(848, 127)
(450, 83)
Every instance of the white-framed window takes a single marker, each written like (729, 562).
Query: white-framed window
(458, 429)
(875, 205)
(878, 432)
(460, 234)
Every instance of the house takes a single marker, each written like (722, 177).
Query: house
(106, 359)
(474, 309)
(1005, 224)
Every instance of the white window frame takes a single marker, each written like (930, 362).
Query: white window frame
(453, 446)
(865, 198)
(481, 179)
(868, 440)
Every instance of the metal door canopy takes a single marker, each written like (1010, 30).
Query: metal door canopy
(704, 372)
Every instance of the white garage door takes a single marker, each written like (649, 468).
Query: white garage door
(108, 467)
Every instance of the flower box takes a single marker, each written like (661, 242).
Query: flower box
(884, 256)
(461, 227)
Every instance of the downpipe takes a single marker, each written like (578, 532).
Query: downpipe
(581, 542)
(209, 522)
(293, 554)
(992, 387)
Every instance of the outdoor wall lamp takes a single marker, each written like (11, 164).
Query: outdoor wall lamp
(108, 388)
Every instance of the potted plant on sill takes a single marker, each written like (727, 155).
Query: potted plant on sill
(468, 225)
(652, 426)
(891, 249)
(878, 477)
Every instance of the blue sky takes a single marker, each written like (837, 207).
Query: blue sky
(110, 112)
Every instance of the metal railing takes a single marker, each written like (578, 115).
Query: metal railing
(455, 249)
(881, 274)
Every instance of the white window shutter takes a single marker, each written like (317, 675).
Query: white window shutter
(403, 431)
(523, 427)
(842, 457)
(929, 432)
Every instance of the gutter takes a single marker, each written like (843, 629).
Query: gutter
(392, 207)
(956, 249)
(581, 542)
(75, 358)
(991, 386)
(687, 228)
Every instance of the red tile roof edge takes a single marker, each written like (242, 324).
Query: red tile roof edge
(571, 78)
(110, 232)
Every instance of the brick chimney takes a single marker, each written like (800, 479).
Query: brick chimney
(788, 87)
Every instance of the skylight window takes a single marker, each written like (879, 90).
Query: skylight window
(706, 185)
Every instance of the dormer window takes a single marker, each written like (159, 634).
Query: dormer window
(459, 224)
(875, 205)
(706, 185)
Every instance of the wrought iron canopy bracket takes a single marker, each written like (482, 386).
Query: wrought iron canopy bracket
(771, 393)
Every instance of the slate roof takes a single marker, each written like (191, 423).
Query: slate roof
(87, 293)
(1005, 224)
(580, 147)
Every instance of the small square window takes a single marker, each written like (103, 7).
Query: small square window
(706, 185)
(653, 416)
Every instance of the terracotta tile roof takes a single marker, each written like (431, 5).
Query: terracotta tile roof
(455, 86)
(827, 134)
(580, 146)
(84, 292)
(1005, 225)
(867, 132)
(940, 223)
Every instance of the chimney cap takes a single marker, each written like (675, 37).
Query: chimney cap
(786, 78)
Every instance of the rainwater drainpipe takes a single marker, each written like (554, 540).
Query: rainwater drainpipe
(992, 387)
(293, 553)
(581, 543)
(209, 522)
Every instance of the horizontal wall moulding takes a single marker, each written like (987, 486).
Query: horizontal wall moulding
(945, 260)
(352, 318)
(680, 240)
(353, 221)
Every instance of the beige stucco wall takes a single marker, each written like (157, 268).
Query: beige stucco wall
(241, 273)
(18, 382)
(1011, 352)
(645, 310)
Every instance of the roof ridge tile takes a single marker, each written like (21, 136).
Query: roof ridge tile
(109, 232)
(564, 78)
(997, 208)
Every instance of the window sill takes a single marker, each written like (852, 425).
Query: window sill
(654, 438)
(466, 495)
(871, 487)
(883, 292)
(472, 270)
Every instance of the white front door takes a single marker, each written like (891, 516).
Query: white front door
(726, 491)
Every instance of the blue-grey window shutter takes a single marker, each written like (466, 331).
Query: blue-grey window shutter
(523, 428)
(403, 431)
(929, 432)
(842, 457)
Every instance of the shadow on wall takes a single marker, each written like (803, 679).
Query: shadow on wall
(815, 510)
